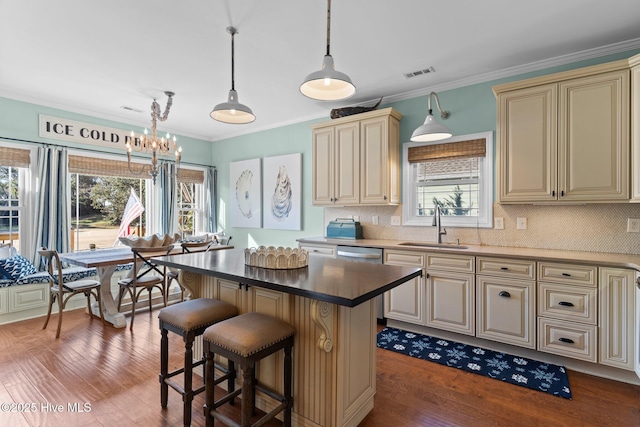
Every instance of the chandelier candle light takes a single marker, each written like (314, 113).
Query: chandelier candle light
(154, 144)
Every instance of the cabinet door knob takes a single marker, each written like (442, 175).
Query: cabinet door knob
(562, 193)
(638, 282)
(504, 294)
(566, 303)
(566, 340)
(384, 197)
(553, 193)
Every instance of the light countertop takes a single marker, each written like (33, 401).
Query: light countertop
(577, 257)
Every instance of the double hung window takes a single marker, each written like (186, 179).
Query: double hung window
(456, 175)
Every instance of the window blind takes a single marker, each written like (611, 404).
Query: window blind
(14, 157)
(453, 150)
(106, 167)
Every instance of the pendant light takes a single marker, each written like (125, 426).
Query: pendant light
(328, 84)
(431, 130)
(232, 111)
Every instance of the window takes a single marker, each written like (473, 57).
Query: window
(15, 162)
(456, 174)
(100, 189)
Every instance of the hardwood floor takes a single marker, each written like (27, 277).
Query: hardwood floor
(115, 372)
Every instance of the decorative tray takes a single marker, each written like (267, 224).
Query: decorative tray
(276, 258)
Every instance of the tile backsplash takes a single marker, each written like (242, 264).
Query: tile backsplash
(591, 228)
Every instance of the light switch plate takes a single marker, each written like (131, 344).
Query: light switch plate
(395, 220)
(633, 225)
(498, 223)
(521, 223)
(374, 219)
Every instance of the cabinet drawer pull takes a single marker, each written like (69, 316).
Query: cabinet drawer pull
(504, 268)
(504, 294)
(566, 340)
(566, 274)
(566, 303)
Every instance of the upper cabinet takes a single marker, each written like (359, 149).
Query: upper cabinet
(356, 160)
(565, 137)
(634, 63)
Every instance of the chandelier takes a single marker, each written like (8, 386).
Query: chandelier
(152, 144)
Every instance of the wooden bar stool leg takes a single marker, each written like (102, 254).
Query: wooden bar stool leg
(247, 393)
(188, 380)
(288, 386)
(209, 392)
(164, 366)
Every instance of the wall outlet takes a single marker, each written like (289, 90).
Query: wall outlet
(633, 225)
(521, 223)
(356, 217)
(395, 220)
(498, 223)
(374, 219)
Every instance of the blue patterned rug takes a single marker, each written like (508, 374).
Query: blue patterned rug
(501, 366)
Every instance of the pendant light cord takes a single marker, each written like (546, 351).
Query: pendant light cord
(328, 26)
(233, 32)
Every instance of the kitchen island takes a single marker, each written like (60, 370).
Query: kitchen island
(331, 303)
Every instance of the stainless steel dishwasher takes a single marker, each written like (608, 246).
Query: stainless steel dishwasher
(362, 254)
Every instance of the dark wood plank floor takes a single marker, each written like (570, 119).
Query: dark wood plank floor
(115, 372)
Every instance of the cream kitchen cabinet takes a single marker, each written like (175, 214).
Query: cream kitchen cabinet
(356, 160)
(406, 302)
(567, 310)
(634, 63)
(617, 325)
(565, 137)
(450, 293)
(505, 301)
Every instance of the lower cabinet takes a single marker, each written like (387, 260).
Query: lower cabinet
(616, 323)
(450, 293)
(505, 310)
(406, 302)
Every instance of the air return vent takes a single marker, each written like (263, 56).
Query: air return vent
(124, 107)
(419, 72)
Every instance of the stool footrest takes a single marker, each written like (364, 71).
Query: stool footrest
(227, 398)
(269, 392)
(223, 418)
(270, 415)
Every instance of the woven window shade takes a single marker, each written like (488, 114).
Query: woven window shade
(105, 167)
(191, 176)
(14, 157)
(452, 150)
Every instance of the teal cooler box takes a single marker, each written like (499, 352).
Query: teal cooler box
(344, 228)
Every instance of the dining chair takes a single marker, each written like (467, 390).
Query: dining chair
(62, 291)
(146, 275)
(194, 244)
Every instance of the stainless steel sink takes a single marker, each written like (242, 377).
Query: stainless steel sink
(433, 245)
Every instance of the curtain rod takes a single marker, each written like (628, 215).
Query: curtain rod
(43, 144)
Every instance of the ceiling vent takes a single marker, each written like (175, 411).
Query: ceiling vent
(124, 107)
(419, 72)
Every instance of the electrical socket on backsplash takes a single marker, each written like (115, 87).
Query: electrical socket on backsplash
(395, 220)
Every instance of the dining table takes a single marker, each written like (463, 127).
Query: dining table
(331, 304)
(106, 261)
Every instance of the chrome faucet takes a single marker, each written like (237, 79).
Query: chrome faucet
(436, 222)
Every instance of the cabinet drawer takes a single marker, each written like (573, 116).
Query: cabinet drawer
(25, 297)
(567, 339)
(404, 258)
(4, 295)
(568, 302)
(457, 263)
(328, 251)
(522, 269)
(571, 274)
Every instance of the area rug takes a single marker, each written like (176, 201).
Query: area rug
(516, 370)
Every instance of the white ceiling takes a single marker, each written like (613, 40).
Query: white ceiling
(94, 57)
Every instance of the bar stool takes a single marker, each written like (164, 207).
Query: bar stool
(188, 319)
(244, 340)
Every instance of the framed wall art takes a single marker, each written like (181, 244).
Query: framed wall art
(245, 184)
(282, 186)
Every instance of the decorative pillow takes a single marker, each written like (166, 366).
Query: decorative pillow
(6, 251)
(16, 267)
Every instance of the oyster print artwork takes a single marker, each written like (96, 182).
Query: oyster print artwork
(281, 198)
(282, 192)
(245, 193)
